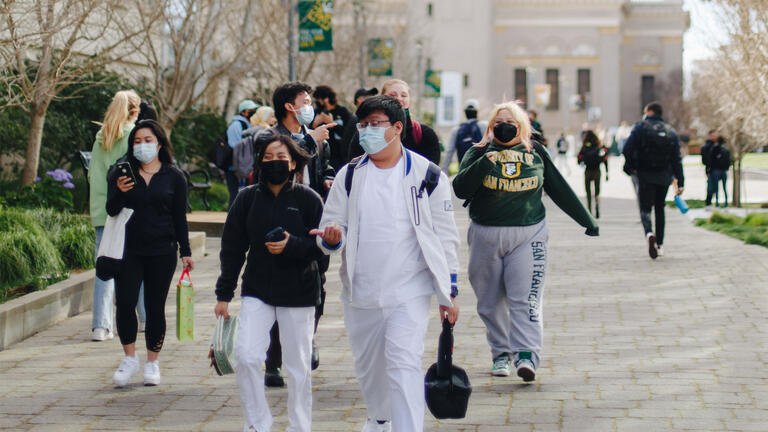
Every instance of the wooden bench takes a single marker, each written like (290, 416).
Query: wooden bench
(197, 180)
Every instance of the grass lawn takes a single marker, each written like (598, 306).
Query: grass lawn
(755, 160)
(752, 229)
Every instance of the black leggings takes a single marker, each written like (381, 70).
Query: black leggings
(653, 195)
(592, 175)
(156, 272)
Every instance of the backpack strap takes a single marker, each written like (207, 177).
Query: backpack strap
(350, 173)
(417, 132)
(431, 178)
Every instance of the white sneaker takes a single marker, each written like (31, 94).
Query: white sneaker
(660, 250)
(101, 334)
(151, 373)
(142, 326)
(128, 368)
(375, 426)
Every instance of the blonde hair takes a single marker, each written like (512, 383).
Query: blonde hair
(124, 106)
(260, 117)
(520, 116)
(392, 82)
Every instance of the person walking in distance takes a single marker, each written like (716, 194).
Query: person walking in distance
(503, 177)
(156, 232)
(331, 112)
(652, 153)
(110, 145)
(561, 157)
(239, 123)
(417, 137)
(592, 154)
(383, 202)
(719, 163)
(270, 221)
(464, 136)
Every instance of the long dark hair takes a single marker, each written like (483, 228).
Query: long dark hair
(164, 153)
(590, 137)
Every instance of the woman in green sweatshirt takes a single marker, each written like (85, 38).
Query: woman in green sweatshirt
(111, 144)
(503, 176)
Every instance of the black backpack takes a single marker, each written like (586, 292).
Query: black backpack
(593, 156)
(468, 134)
(221, 153)
(656, 146)
(720, 158)
(431, 178)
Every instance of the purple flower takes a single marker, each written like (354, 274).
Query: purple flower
(37, 179)
(69, 185)
(64, 174)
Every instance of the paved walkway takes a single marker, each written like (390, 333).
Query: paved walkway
(631, 344)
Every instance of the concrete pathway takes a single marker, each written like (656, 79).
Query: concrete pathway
(631, 345)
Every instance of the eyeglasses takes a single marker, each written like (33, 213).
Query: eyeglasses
(374, 123)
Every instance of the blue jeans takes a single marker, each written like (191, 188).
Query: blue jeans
(716, 177)
(104, 297)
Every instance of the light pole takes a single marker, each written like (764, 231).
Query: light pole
(530, 72)
(292, 9)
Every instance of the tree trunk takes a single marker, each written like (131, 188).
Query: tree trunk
(32, 160)
(736, 200)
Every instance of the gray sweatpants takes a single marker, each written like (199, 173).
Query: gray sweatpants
(507, 266)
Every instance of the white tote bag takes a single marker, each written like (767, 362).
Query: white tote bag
(112, 246)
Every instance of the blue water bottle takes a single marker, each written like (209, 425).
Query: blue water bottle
(681, 204)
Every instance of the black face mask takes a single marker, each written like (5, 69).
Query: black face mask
(505, 132)
(275, 172)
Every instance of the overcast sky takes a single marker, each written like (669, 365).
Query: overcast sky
(702, 35)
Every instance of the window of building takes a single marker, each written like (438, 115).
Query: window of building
(429, 9)
(583, 87)
(429, 63)
(466, 80)
(552, 76)
(521, 86)
(647, 90)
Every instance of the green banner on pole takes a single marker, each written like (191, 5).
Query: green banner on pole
(315, 27)
(380, 56)
(432, 83)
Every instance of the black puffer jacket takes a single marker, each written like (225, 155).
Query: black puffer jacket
(289, 279)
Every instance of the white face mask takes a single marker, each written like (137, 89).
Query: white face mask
(372, 139)
(145, 152)
(305, 115)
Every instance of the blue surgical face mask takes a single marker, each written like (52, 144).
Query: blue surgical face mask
(145, 152)
(372, 139)
(305, 115)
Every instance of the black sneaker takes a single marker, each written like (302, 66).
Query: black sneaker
(272, 378)
(315, 356)
(652, 251)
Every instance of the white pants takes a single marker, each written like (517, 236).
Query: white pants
(387, 345)
(296, 324)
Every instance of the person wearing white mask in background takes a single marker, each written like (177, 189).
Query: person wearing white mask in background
(155, 233)
(387, 295)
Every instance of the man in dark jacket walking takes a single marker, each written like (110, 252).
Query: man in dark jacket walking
(652, 152)
(719, 158)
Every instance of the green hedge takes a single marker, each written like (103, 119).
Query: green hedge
(39, 247)
(752, 229)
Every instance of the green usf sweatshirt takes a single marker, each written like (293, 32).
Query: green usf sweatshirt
(507, 191)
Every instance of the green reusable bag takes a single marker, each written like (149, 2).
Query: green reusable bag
(185, 308)
(222, 353)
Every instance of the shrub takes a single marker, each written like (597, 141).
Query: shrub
(756, 219)
(218, 198)
(76, 244)
(757, 239)
(717, 218)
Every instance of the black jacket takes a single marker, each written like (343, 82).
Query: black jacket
(720, 158)
(429, 146)
(289, 279)
(319, 166)
(632, 160)
(159, 221)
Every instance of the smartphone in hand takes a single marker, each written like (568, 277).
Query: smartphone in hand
(124, 169)
(276, 235)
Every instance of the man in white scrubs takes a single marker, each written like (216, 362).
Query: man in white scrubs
(398, 241)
